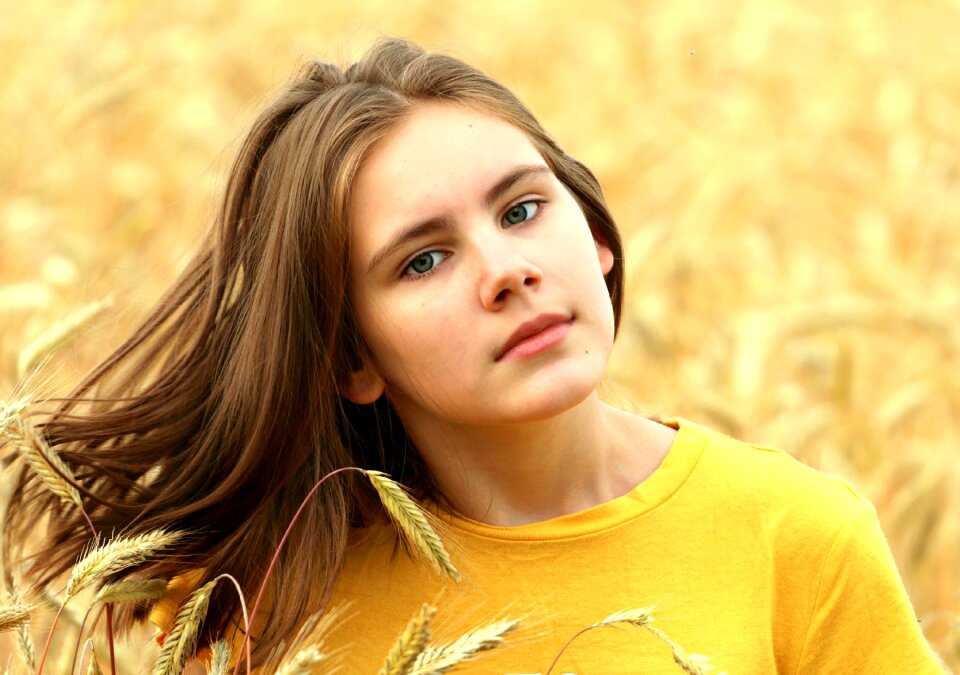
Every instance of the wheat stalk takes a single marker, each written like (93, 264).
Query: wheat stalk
(220, 658)
(133, 590)
(117, 555)
(57, 334)
(415, 638)
(412, 522)
(45, 462)
(441, 659)
(181, 643)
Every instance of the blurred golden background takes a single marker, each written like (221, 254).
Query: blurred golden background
(786, 176)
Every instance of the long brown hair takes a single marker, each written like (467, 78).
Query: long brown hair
(222, 410)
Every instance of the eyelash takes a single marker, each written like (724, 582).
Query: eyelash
(539, 203)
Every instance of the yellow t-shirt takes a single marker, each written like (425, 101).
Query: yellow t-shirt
(746, 556)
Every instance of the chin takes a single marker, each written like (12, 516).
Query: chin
(553, 396)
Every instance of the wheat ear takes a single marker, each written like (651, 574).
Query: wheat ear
(220, 659)
(93, 668)
(52, 338)
(413, 640)
(46, 463)
(441, 659)
(117, 555)
(14, 614)
(303, 662)
(10, 412)
(635, 617)
(412, 522)
(132, 590)
(313, 632)
(181, 643)
(692, 664)
(26, 651)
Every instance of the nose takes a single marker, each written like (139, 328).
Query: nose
(505, 272)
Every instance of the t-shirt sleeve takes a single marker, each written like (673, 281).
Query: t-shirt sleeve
(863, 621)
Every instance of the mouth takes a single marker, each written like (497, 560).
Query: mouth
(535, 336)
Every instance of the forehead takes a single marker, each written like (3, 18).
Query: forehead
(441, 155)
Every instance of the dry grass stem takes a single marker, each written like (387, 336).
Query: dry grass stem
(55, 336)
(442, 659)
(220, 658)
(181, 643)
(133, 590)
(413, 523)
(117, 555)
(415, 638)
(13, 614)
(45, 462)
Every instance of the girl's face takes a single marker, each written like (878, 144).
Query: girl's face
(474, 276)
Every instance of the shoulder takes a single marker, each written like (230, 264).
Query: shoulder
(754, 474)
(827, 560)
(792, 511)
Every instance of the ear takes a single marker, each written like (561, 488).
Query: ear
(604, 253)
(365, 385)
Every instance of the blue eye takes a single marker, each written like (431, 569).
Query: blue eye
(423, 263)
(521, 212)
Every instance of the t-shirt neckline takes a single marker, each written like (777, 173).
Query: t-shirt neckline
(657, 488)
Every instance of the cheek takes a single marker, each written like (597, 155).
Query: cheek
(419, 341)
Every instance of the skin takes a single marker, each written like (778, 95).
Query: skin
(514, 438)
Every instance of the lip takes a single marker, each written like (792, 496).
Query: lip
(535, 336)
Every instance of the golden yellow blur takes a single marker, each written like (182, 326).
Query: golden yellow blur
(786, 176)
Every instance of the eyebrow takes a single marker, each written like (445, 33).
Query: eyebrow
(433, 225)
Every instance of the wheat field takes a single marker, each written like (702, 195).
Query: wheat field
(786, 176)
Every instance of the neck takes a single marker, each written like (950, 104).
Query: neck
(534, 471)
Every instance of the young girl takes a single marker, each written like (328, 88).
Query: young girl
(408, 274)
